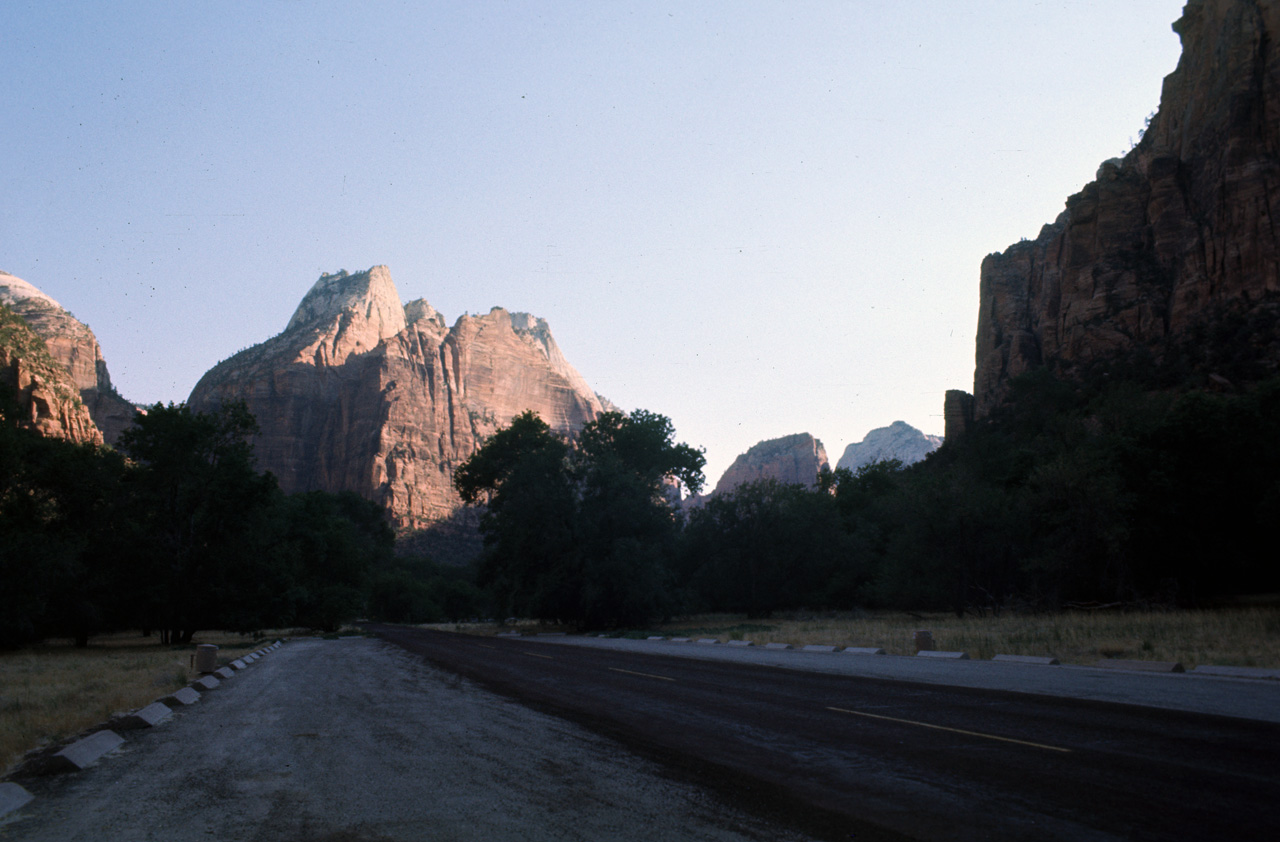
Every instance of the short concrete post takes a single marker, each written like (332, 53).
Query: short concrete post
(924, 640)
(206, 658)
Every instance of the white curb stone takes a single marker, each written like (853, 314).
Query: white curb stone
(185, 696)
(819, 647)
(680, 640)
(655, 637)
(708, 640)
(206, 683)
(239, 663)
(937, 653)
(777, 646)
(863, 650)
(1027, 659)
(225, 672)
(148, 717)
(81, 753)
(12, 797)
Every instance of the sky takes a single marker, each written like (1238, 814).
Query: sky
(755, 218)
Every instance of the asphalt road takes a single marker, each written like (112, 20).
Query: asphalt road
(359, 741)
(841, 756)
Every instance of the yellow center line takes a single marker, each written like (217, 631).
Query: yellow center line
(645, 674)
(536, 655)
(952, 730)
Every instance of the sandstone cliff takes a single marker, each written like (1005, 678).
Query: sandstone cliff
(793, 459)
(73, 345)
(46, 396)
(898, 441)
(362, 393)
(1172, 255)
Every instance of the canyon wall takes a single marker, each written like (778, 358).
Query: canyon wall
(1170, 260)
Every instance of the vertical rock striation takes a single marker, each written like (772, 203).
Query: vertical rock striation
(361, 393)
(1172, 254)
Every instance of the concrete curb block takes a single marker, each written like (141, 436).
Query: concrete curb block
(777, 646)
(225, 672)
(819, 647)
(1237, 672)
(1028, 659)
(680, 640)
(206, 683)
(656, 637)
(82, 753)
(739, 643)
(938, 653)
(239, 664)
(1143, 666)
(708, 640)
(12, 797)
(185, 696)
(147, 717)
(863, 650)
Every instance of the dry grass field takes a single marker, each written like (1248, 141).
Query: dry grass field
(53, 691)
(1247, 637)
(1240, 637)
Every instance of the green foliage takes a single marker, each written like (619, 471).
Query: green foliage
(580, 533)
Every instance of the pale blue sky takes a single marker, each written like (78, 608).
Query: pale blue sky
(757, 218)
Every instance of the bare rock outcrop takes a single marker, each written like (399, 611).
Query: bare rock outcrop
(898, 441)
(361, 393)
(74, 347)
(795, 460)
(45, 393)
(1172, 254)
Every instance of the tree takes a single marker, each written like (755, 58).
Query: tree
(584, 533)
(202, 517)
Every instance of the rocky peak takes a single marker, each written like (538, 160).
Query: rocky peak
(363, 394)
(795, 459)
(349, 314)
(898, 441)
(48, 400)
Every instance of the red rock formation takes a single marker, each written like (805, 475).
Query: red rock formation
(363, 394)
(75, 348)
(46, 396)
(1174, 250)
(793, 459)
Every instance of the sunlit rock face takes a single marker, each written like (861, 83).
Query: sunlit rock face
(1171, 255)
(795, 460)
(362, 393)
(898, 441)
(44, 392)
(74, 347)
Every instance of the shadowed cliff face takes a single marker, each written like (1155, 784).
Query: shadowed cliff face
(1173, 250)
(74, 347)
(361, 393)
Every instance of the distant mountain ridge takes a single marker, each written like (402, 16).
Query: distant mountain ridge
(898, 441)
(362, 393)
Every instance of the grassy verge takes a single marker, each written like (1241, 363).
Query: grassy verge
(1237, 637)
(53, 691)
(1243, 637)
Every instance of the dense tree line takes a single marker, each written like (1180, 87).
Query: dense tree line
(1072, 493)
(176, 531)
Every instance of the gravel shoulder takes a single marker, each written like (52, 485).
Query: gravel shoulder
(1221, 696)
(355, 740)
